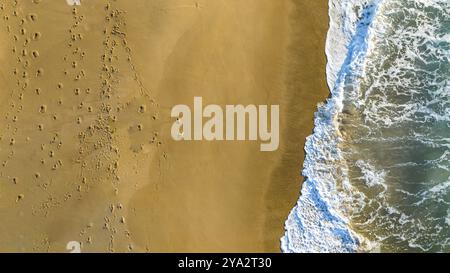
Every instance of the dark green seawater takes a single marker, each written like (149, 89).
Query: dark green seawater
(378, 163)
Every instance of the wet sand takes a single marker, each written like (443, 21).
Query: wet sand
(85, 144)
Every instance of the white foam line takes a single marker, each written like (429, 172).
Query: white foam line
(318, 222)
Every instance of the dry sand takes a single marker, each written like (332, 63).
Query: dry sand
(85, 100)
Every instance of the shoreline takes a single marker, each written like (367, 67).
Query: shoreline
(238, 191)
(308, 88)
(112, 177)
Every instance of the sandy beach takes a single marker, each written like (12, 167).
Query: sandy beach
(86, 93)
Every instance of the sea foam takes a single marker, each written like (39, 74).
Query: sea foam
(376, 165)
(319, 222)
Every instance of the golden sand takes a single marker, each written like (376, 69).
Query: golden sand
(85, 98)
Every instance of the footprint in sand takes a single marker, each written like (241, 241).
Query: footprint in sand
(73, 2)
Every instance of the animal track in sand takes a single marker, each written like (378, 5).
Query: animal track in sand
(73, 2)
(36, 36)
(40, 72)
(43, 108)
(32, 17)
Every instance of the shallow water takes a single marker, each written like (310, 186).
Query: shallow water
(378, 161)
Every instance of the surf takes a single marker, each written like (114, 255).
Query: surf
(379, 144)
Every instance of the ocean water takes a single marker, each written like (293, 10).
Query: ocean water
(378, 162)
